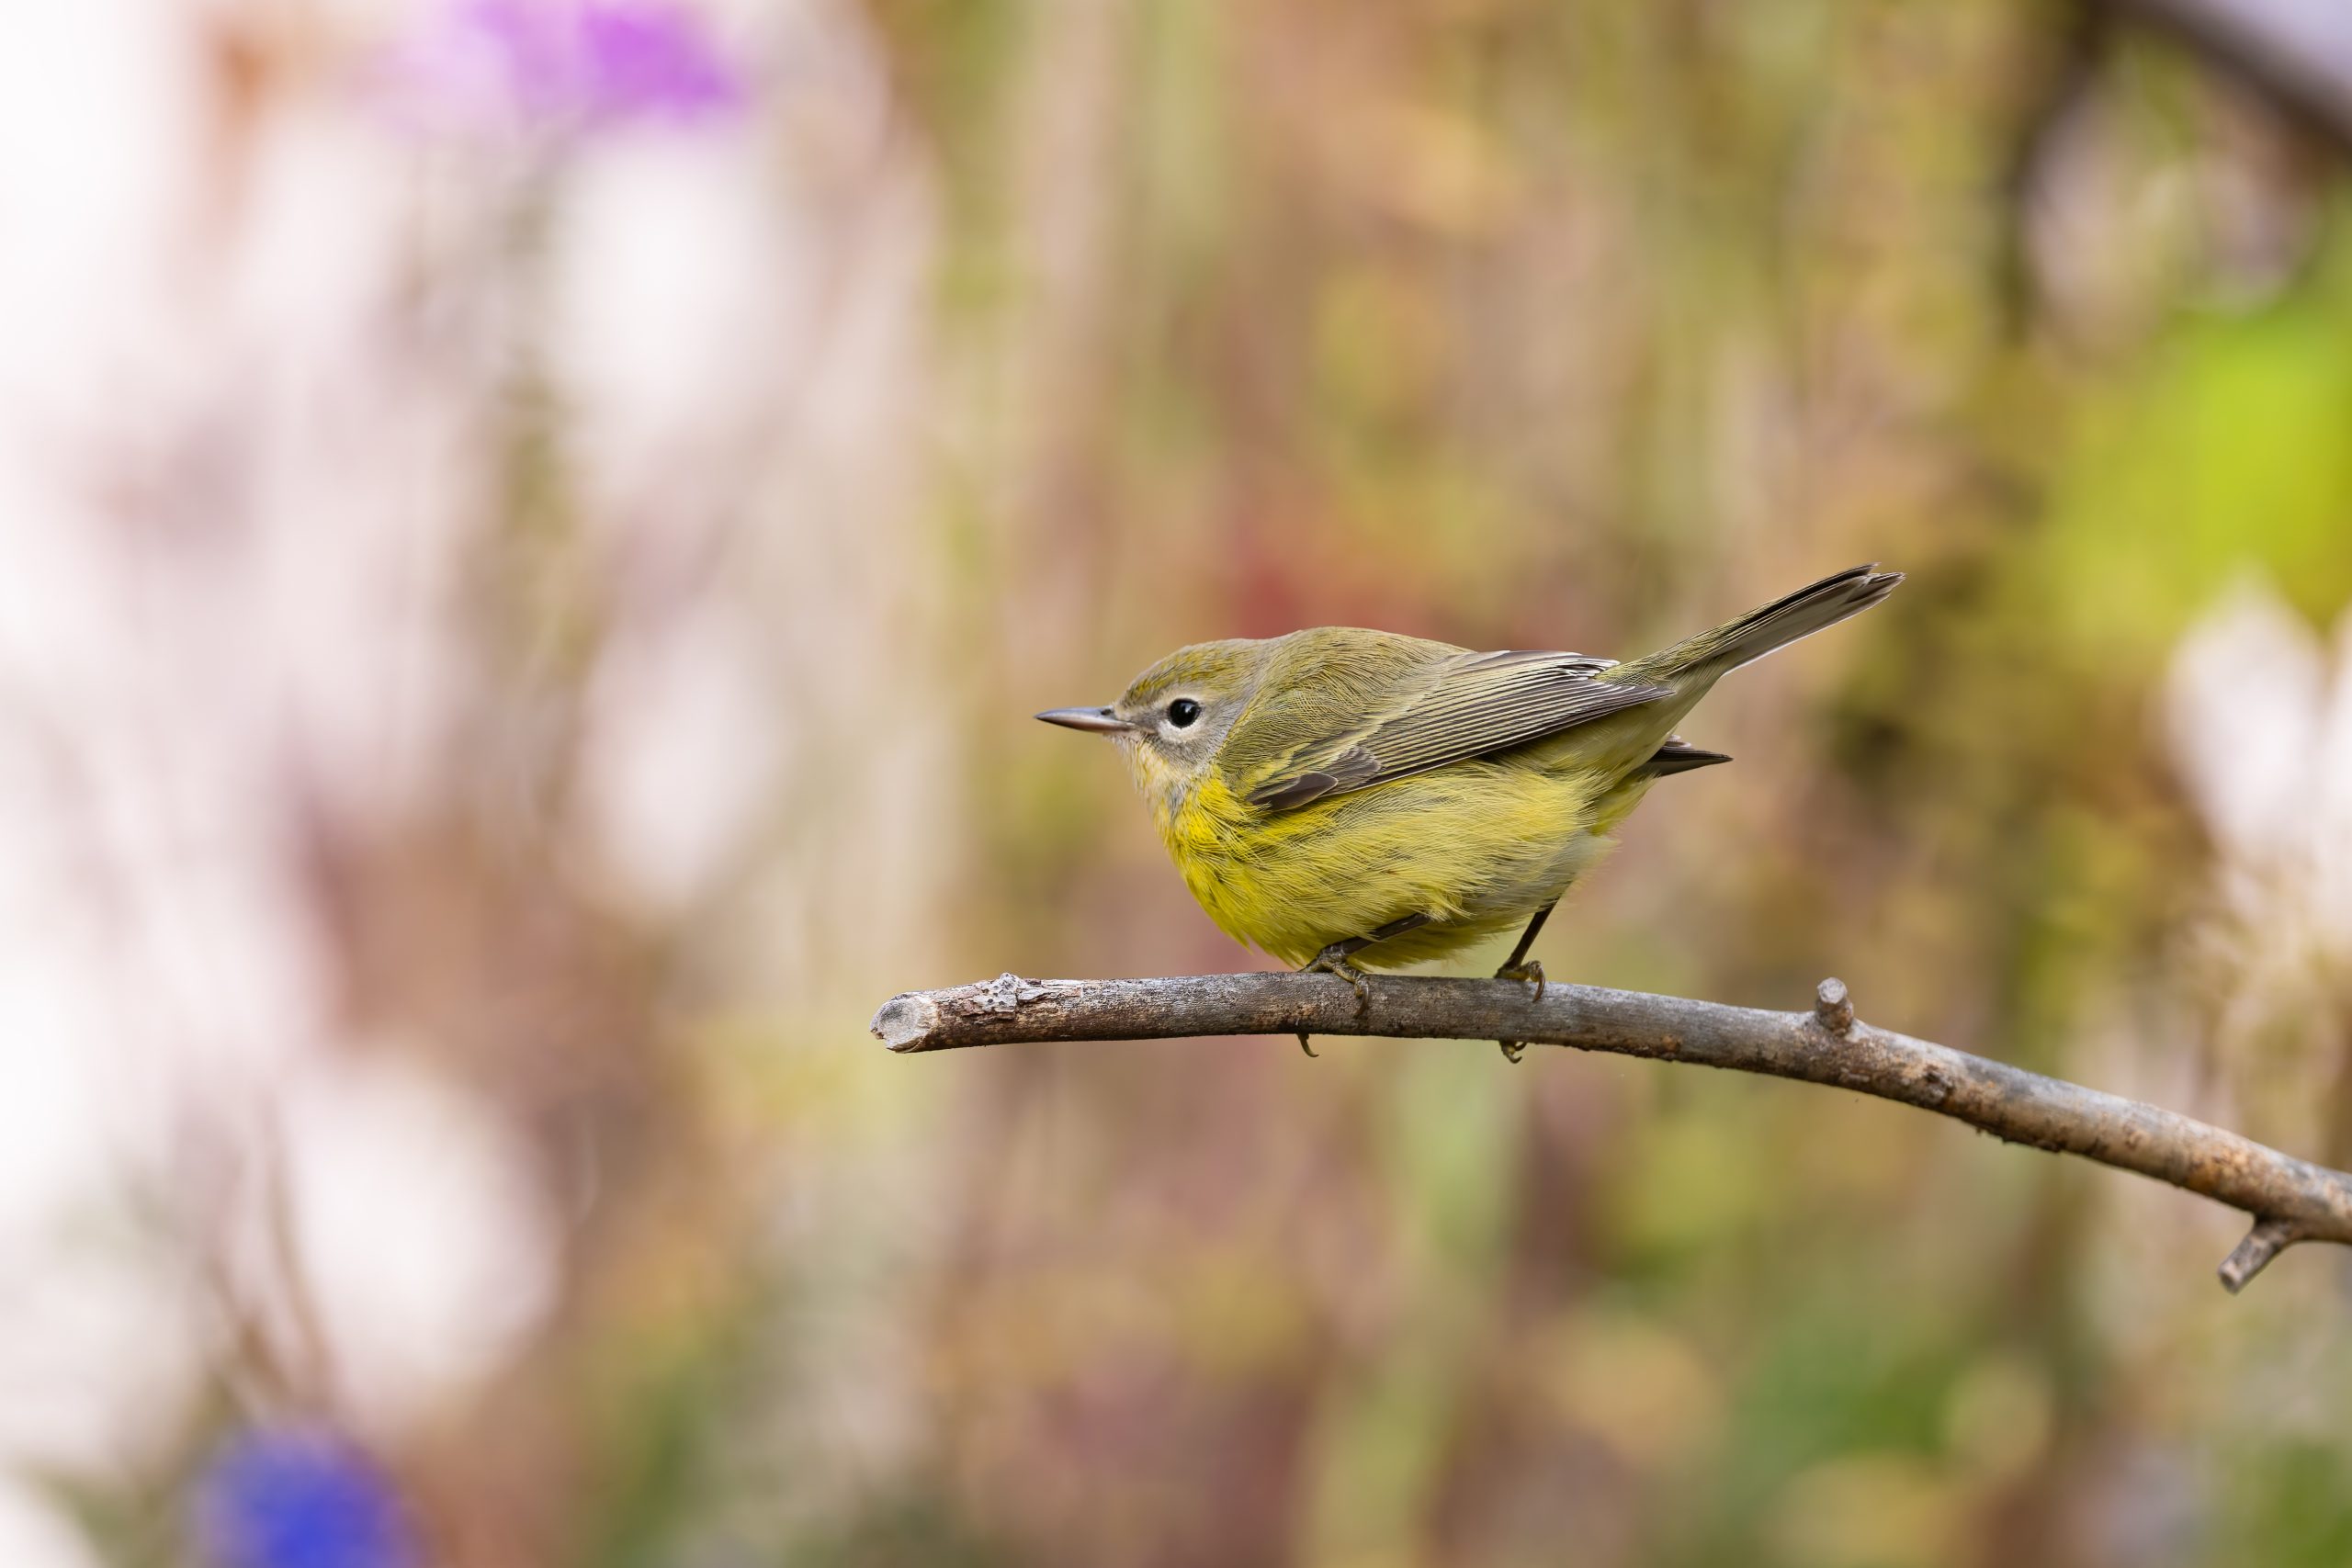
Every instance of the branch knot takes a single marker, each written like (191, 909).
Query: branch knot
(2268, 1239)
(1007, 992)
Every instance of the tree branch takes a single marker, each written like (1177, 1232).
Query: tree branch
(2290, 1199)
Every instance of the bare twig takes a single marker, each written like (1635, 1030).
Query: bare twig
(2290, 1199)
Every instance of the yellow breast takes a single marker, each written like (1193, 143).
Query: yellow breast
(1478, 848)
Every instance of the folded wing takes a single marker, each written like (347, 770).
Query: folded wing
(1473, 706)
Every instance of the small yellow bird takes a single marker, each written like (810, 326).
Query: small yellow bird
(1344, 798)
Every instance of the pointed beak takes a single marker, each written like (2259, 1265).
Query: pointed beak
(1102, 721)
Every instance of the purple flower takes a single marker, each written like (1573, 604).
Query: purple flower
(562, 63)
(300, 1498)
(650, 59)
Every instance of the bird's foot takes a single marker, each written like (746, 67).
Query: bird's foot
(1530, 970)
(1335, 960)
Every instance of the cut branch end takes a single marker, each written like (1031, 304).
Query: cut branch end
(1832, 1007)
(905, 1019)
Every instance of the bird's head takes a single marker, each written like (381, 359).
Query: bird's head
(1174, 717)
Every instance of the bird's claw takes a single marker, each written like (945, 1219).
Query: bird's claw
(1530, 970)
(1334, 960)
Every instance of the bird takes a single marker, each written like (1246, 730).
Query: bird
(1346, 798)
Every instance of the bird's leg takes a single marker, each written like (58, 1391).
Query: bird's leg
(1339, 958)
(1519, 966)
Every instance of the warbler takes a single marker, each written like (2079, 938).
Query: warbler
(1345, 798)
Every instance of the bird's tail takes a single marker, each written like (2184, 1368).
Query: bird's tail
(1758, 632)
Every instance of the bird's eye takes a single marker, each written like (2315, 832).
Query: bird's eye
(1182, 712)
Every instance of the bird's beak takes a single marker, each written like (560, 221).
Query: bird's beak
(1102, 721)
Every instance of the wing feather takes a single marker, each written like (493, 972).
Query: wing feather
(1472, 707)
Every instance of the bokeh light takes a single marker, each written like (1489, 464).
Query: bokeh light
(533, 530)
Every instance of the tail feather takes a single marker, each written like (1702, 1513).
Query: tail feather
(1774, 626)
(1679, 756)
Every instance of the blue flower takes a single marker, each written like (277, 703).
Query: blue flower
(300, 1498)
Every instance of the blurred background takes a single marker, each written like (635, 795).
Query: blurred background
(533, 529)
